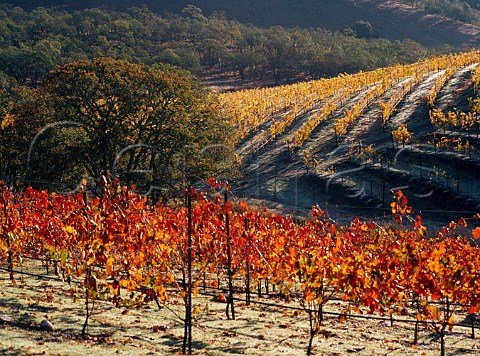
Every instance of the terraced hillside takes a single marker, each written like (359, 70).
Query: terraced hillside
(347, 142)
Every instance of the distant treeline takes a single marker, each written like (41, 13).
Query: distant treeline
(33, 43)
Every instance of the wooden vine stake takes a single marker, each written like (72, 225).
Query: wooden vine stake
(247, 268)
(6, 237)
(187, 336)
(230, 305)
(90, 282)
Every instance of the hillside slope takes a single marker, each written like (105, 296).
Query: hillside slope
(391, 19)
(305, 146)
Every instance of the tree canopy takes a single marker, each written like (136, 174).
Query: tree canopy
(141, 123)
(33, 43)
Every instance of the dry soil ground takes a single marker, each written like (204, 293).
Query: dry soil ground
(257, 330)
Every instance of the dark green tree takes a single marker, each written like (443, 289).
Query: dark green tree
(281, 53)
(140, 123)
(26, 65)
(363, 29)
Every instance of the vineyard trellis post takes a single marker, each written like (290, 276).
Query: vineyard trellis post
(230, 304)
(187, 337)
(6, 237)
(247, 262)
(90, 281)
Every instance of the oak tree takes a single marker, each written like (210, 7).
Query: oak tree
(142, 124)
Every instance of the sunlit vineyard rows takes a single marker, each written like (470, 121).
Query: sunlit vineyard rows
(359, 136)
(250, 109)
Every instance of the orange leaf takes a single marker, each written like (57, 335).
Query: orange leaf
(109, 265)
(309, 297)
(418, 222)
(317, 212)
(243, 206)
(399, 194)
(451, 323)
(356, 309)
(394, 207)
(213, 182)
(221, 298)
(214, 284)
(472, 310)
(476, 233)
(227, 207)
(462, 222)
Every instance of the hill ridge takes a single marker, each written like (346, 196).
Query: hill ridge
(393, 20)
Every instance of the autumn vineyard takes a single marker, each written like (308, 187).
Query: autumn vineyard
(363, 135)
(130, 253)
(110, 244)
